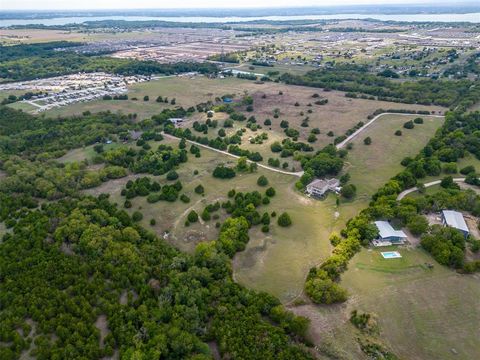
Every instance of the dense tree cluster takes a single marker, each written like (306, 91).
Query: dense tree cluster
(152, 190)
(358, 79)
(326, 162)
(223, 172)
(447, 245)
(288, 147)
(21, 132)
(156, 162)
(174, 303)
(83, 280)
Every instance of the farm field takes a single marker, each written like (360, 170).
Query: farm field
(30, 36)
(423, 313)
(370, 166)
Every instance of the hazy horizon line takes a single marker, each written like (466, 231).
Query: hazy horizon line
(411, 3)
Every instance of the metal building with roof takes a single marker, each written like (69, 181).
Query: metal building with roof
(387, 235)
(455, 220)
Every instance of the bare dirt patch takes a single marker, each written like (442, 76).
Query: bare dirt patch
(112, 186)
(254, 255)
(214, 349)
(67, 249)
(434, 219)
(321, 318)
(127, 296)
(102, 325)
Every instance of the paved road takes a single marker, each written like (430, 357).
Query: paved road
(356, 133)
(297, 174)
(436, 182)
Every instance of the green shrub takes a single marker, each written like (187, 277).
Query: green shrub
(409, 125)
(467, 170)
(348, 191)
(172, 175)
(284, 220)
(206, 215)
(223, 172)
(270, 192)
(262, 181)
(192, 216)
(137, 216)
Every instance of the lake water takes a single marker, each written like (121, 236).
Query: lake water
(471, 17)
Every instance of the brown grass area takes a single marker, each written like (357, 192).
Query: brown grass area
(338, 115)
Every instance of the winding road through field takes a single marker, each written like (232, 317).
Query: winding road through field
(297, 174)
(371, 121)
(433, 183)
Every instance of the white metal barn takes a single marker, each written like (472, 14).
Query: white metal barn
(455, 220)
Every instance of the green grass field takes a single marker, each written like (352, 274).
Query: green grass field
(85, 153)
(187, 92)
(423, 313)
(370, 166)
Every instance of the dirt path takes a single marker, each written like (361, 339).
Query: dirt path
(298, 173)
(179, 218)
(356, 133)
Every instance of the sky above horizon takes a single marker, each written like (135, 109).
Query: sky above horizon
(185, 4)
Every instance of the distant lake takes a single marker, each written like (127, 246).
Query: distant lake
(471, 17)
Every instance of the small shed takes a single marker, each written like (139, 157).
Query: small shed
(455, 220)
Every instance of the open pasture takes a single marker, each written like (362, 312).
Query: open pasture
(371, 166)
(423, 313)
(338, 115)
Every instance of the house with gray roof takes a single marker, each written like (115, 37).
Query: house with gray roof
(455, 220)
(387, 235)
(319, 187)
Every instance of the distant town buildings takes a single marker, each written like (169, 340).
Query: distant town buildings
(69, 89)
